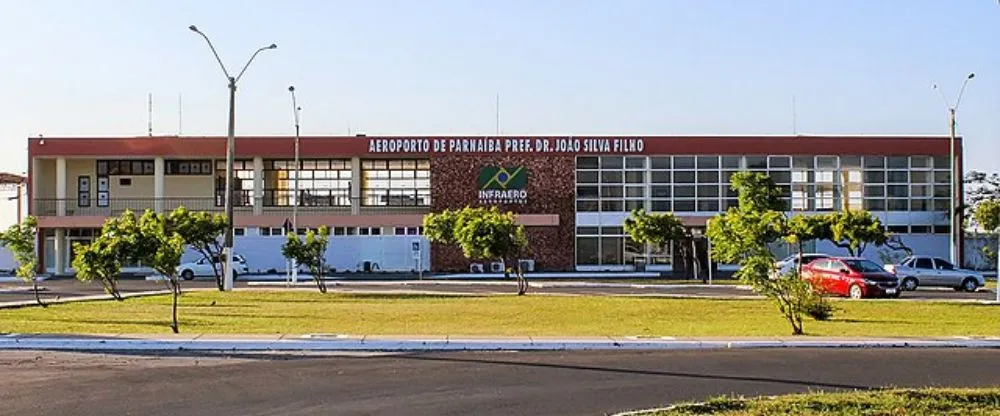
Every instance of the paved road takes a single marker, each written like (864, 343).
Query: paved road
(579, 383)
(68, 287)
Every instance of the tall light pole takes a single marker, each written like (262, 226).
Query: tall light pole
(295, 181)
(227, 249)
(954, 225)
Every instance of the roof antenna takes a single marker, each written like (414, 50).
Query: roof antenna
(149, 116)
(180, 114)
(795, 130)
(498, 114)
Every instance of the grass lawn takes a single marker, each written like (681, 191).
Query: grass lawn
(298, 312)
(887, 402)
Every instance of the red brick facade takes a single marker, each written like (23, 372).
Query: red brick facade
(551, 190)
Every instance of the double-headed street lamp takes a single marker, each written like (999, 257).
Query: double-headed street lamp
(954, 225)
(227, 249)
(295, 201)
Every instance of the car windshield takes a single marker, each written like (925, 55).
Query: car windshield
(863, 266)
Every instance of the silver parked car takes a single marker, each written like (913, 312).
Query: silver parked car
(917, 271)
(791, 263)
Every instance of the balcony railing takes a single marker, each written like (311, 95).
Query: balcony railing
(242, 206)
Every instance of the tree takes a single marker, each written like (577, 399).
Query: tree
(802, 228)
(743, 234)
(201, 230)
(161, 248)
(20, 240)
(654, 229)
(987, 216)
(482, 233)
(854, 230)
(99, 261)
(311, 252)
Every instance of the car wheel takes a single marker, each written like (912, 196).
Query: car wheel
(970, 285)
(910, 284)
(187, 275)
(855, 292)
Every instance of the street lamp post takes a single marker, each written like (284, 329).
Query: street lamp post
(295, 181)
(227, 248)
(954, 225)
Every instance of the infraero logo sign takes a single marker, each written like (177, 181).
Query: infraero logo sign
(503, 184)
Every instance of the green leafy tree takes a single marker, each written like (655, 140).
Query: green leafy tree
(854, 230)
(482, 233)
(20, 240)
(99, 261)
(161, 249)
(803, 228)
(201, 230)
(310, 252)
(654, 229)
(987, 216)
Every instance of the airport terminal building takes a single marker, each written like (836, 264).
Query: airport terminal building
(572, 193)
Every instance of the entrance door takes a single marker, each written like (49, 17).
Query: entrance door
(691, 258)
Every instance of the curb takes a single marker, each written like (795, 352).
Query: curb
(88, 298)
(197, 343)
(503, 283)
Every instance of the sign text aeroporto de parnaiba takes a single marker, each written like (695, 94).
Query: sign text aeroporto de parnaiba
(504, 145)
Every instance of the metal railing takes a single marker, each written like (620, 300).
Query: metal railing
(243, 205)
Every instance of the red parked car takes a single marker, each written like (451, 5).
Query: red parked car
(852, 277)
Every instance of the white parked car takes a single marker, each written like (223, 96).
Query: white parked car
(790, 263)
(917, 271)
(202, 267)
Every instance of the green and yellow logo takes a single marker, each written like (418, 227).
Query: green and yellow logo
(502, 177)
(503, 184)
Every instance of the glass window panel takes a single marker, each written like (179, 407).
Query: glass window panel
(708, 162)
(685, 176)
(780, 162)
(708, 177)
(587, 192)
(801, 176)
(612, 206)
(875, 204)
(897, 204)
(659, 176)
(942, 191)
(874, 176)
(898, 176)
(587, 250)
(661, 205)
(683, 162)
(731, 162)
(850, 161)
(917, 176)
(897, 191)
(611, 162)
(941, 204)
(611, 192)
(920, 205)
(587, 231)
(941, 162)
(611, 250)
(730, 203)
(587, 206)
(920, 190)
(781, 176)
(875, 161)
(635, 162)
(635, 177)
(920, 161)
(803, 162)
(708, 206)
(634, 204)
(586, 176)
(875, 190)
(660, 162)
(827, 162)
(635, 191)
(898, 162)
(611, 176)
(684, 191)
(756, 162)
(942, 177)
(660, 191)
(728, 175)
(708, 191)
(684, 205)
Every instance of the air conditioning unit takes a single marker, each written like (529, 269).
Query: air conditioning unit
(527, 265)
(476, 268)
(496, 267)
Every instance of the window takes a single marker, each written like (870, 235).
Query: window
(321, 183)
(271, 232)
(124, 167)
(124, 181)
(239, 232)
(923, 263)
(407, 231)
(943, 264)
(243, 175)
(188, 167)
(405, 182)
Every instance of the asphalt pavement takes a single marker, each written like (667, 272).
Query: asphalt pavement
(498, 383)
(64, 288)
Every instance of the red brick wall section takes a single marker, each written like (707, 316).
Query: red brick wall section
(551, 187)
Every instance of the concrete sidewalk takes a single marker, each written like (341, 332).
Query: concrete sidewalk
(334, 342)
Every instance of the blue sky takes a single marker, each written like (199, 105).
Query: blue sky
(560, 67)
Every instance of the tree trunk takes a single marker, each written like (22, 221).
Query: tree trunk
(798, 273)
(34, 286)
(522, 283)
(318, 278)
(176, 290)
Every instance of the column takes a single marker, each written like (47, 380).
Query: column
(258, 185)
(60, 251)
(158, 184)
(355, 185)
(36, 178)
(61, 186)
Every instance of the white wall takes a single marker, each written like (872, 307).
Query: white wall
(6, 259)
(391, 253)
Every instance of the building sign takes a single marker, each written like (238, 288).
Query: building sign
(503, 184)
(505, 145)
